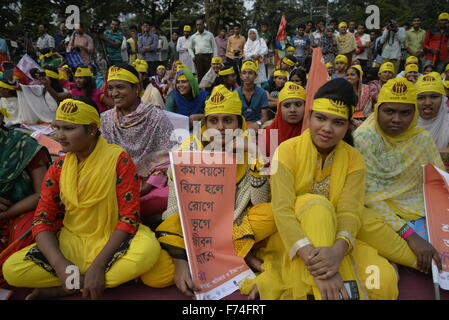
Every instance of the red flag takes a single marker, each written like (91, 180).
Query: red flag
(23, 79)
(281, 38)
(317, 77)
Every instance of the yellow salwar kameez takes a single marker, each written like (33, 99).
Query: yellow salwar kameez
(316, 203)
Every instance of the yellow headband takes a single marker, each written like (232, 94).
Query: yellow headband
(411, 59)
(187, 28)
(280, 73)
(342, 58)
(411, 67)
(47, 55)
(116, 73)
(288, 62)
(342, 24)
(223, 101)
(78, 112)
(51, 74)
(291, 90)
(329, 65)
(387, 66)
(5, 112)
(446, 84)
(6, 86)
(160, 67)
(226, 72)
(182, 77)
(443, 16)
(181, 67)
(249, 65)
(217, 60)
(397, 90)
(359, 68)
(140, 65)
(335, 107)
(291, 49)
(430, 83)
(83, 72)
(63, 74)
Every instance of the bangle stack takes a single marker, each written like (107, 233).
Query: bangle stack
(406, 231)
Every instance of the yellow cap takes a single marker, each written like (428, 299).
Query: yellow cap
(217, 60)
(446, 84)
(51, 74)
(83, 72)
(225, 72)
(443, 16)
(291, 90)
(359, 68)
(288, 62)
(187, 28)
(341, 57)
(140, 65)
(342, 24)
(280, 73)
(411, 68)
(411, 59)
(223, 101)
(387, 66)
(397, 90)
(430, 83)
(117, 73)
(329, 65)
(78, 112)
(63, 74)
(291, 48)
(249, 65)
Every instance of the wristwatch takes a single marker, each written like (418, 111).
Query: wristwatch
(259, 123)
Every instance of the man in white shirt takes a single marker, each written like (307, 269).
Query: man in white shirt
(182, 46)
(202, 48)
(45, 40)
(363, 41)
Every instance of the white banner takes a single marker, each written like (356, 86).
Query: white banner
(26, 64)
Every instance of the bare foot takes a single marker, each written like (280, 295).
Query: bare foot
(49, 293)
(254, 263)
(254, 294)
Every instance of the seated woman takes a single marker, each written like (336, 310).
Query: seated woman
(253, 220)
(298, 77)
(170, 77)
(85, 86)
(395, 149)
(386, 72)
(288, 121)
(9, 101)
(187, 98)
(95, 187)
(210, 79)
(428, 68)
(354, 75)
(53, 86)
(432, 107)
(228, 77)
(158, 80)
(279, 79)
(144, 131)
(24, 163)
(411, 72)
(142, 67)
(341, 65)
(317, 200)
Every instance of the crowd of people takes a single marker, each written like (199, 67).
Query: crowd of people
(346, 193)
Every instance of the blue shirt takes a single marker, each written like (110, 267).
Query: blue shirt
(148, 40)
(301, 44)
(253, 111)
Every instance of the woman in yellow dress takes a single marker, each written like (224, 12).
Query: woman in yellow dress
(253, 220)
(96, 188)
(317, 200)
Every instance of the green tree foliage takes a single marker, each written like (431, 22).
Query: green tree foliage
(224, 13)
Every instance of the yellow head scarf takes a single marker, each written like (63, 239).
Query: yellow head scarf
(411, 67)
(217, 60)
(140, 65)
(411, 59)
(430, 83)
(288, 62)
(117, 73)
(83, 72)
(77, 112)
(51, 74)
(397, 90)
(387, 66)
(181, 67)
(280, 73)
(225, 72)
(249, 65)
(291, 90)
(63, 74)
(342, 58)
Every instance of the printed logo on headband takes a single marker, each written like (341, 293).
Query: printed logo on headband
(217, 98)
(69, 107)
(338, 103)
(114, 69)
(399, 89)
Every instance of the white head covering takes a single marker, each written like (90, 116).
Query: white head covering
(438, 126)
(257, 47)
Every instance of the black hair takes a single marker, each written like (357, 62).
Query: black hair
(224, 28)
(34, 72)
(116, 20)
(45, 25)
(341, 90)
(333, 20)
(301, 74)
(55, 84)
(302, 26)
(310, 21)
(90, 84)
(322, 20)
(148, 23)
(133, 27)
(416, 17)
(237, 25)
(356, 70)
